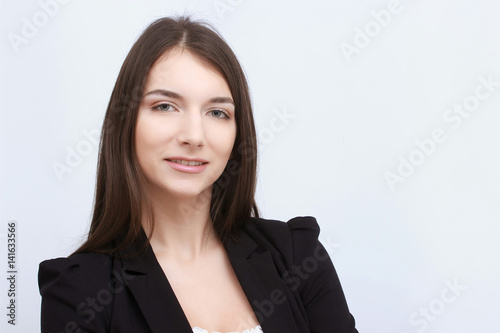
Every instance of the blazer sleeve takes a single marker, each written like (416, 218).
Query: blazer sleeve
(321, 293)
(72, 300)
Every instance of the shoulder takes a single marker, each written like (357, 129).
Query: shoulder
(275, 229)
(75, 292)
(87, 260)
(296, 223)
(92, 268)
(293, 239)
(74, 278)
(304, 266)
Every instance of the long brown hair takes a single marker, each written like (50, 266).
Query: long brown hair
(121, 188)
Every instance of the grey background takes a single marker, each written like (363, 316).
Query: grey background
(352, 120)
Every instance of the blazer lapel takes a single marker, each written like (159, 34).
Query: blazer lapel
(262, 284)
(153, 292)
(254, 268)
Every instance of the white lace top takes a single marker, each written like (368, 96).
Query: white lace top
(256, 329)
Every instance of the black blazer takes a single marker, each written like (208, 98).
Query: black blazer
(284, 271)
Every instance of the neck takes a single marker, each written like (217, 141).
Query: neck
(183, 229)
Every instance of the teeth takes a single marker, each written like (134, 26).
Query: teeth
(190, 163)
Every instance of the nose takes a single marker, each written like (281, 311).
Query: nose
(191, 131)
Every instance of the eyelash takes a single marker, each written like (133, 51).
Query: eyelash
(157, 108)
(225, 115)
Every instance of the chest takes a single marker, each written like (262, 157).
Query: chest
(210, 294)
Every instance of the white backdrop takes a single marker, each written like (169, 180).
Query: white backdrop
(380, 118)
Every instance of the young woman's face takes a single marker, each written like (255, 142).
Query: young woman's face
(186, 126)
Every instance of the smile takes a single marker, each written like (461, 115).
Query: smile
(187, 165)
(190, 163)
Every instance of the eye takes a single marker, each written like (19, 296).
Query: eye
(218, 114)
(164, 107)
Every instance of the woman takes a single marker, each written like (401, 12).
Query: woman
(176, 243)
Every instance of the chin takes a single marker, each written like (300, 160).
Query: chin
(188, 193)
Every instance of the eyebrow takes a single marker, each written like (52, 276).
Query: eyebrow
(171, 94)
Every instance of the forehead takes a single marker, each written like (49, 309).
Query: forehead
(182, 71)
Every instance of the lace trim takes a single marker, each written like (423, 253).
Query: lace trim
(256, 329)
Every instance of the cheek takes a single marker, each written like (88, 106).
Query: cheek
(148, 139)
(152, 132)
(222, 140)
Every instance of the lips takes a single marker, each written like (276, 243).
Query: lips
(187, 162)
(189, 165)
